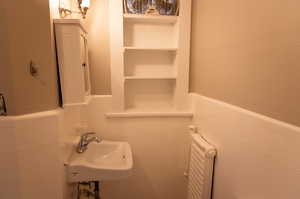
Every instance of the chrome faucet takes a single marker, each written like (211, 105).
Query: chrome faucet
(85, 140)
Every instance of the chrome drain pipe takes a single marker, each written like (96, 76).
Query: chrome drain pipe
(3, 111)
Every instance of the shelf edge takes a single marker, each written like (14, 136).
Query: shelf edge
(149, 114)
(154, 18)
(150, 78)
(149, 48)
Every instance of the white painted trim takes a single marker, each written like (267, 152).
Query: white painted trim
(71, 22)
(101, 96)
(149, 114)
(151, 18)
(32, 115)
(183, 55)
(117, 54)
(150, 48)
(176, 32)
(150, 78)
(247, 112)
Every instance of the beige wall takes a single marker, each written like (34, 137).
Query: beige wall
(247, 53)
(27, 37)
(97, 23)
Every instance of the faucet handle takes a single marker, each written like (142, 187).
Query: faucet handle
(85, 140)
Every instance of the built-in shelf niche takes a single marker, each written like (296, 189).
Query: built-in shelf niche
(149, 95)
(150, 31)
(150, 63)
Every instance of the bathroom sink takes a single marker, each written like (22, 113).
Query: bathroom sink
(102, 161)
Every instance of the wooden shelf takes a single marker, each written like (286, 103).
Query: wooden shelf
(149, 48)
(136, 114)
(150, 78)
(150, 95)
(150, 18)
(160, 64)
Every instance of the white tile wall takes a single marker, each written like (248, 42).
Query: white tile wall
(159, 149)
(31, 158)
(8, 163)
(257, 155)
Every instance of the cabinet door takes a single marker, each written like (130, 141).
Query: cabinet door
(26, 35)
(85, 63)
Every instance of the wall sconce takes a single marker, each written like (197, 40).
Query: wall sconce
(83, 6)
(64, 11)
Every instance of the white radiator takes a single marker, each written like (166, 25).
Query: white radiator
(201, 166)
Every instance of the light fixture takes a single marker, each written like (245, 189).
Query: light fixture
(83, 6)
(64, 11)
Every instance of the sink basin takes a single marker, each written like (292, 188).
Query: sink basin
(102, 161)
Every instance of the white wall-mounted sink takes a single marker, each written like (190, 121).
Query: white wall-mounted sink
(102, 161)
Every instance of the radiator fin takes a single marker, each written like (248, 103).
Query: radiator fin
(200, 168)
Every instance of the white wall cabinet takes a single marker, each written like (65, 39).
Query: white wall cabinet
(72, 52)
(150, 60)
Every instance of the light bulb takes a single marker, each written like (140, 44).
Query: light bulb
(85, 4)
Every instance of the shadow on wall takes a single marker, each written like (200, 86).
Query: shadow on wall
(97, 24)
